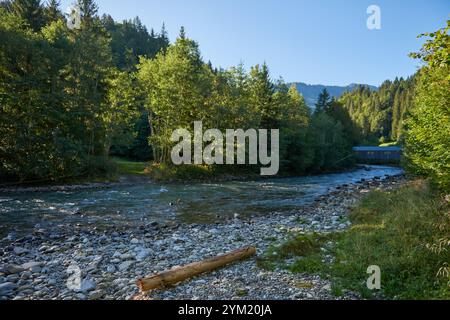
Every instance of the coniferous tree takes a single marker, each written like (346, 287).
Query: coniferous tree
(31, 11)
(323, 102)
(182, 34)
(52, 11)
(163, 37)
(88, 10)
(261, 99)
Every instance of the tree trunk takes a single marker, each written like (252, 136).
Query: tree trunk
(191, 270)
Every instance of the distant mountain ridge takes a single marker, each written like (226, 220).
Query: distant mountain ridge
(311, 92)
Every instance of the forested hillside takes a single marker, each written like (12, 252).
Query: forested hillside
(311, 92)
(380, 114)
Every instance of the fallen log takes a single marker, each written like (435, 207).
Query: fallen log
(191, 270)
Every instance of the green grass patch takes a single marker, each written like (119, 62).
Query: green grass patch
(169, 172)
(302, 247)
(301, 220)
(125, 166)
(404, 232)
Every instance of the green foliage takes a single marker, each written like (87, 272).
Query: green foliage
(64, 107)
(380, 115)
(130, 40)
(176, 84)
(180, 89)
(428, 138)
(31, 11)
(327, 141)
(127, 118)
(404, 232)
(53, 99)
(350, 130)
(435, 50)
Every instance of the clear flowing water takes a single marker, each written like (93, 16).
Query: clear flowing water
(207, 202)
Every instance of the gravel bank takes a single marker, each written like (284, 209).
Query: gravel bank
(74, 262)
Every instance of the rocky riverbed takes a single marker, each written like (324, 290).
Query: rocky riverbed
(82, 262)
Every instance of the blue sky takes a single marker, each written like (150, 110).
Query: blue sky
(315, 41)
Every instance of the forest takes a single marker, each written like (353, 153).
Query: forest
(71, 99)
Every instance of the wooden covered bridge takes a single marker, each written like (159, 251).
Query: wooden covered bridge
(378, 154)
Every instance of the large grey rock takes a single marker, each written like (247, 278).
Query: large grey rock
(35, 267)
(143, 254)
(12, 269)
(29, 265)
(7, 288)
(124, 266)
(126, 256)
(87, 285)
(110, 269)
(19, 250)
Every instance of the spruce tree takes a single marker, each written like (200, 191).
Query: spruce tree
(31, 11)
(89, 10)
(323, 102)
(182, 34)
(52, 11)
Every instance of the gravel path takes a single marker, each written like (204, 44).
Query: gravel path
(73, 262)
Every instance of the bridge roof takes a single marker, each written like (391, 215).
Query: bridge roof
(377, 149)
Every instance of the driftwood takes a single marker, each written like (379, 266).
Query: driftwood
(191, 270)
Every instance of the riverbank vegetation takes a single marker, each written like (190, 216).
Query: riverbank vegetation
(404, 232)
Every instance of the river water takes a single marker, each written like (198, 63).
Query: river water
(147, 202)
